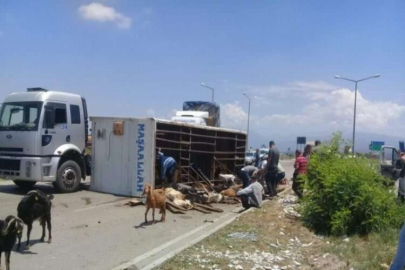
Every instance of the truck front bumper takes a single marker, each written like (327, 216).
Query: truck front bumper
(36, 169)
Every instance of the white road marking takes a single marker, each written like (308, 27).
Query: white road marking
(167, 244)
(189, 244)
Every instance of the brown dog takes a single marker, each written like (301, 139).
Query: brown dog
(155, 199)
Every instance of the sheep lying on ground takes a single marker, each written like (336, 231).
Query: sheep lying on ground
(10, 229)
(155, 199)
(177, 198)
(36, 206)
(229, 192)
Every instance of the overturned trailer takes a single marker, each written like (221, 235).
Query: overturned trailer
(124, 152)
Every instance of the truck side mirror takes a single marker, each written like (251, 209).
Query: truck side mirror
(49, 117)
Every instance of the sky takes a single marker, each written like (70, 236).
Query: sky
(145, 58)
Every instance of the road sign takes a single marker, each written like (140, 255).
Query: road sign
(301, 140)
(376, 146)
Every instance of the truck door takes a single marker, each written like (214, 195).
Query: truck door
(76, 126)
(55, 130)
(389, 162)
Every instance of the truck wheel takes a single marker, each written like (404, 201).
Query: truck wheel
(68, 177)
(24, 184)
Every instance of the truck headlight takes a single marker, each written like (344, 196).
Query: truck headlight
(46, 139)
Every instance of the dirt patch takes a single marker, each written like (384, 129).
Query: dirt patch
(87, 200)
(330, 262)
(64, 205)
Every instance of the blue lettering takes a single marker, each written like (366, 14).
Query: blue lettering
(141, 148)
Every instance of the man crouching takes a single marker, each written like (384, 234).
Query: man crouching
(252, 196)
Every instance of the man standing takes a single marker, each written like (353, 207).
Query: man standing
(317, 146)
(257, 158)
(271, 169)
(247, 172)
(252, 196)
(300, 167)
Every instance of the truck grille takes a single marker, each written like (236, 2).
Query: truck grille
(10, 165)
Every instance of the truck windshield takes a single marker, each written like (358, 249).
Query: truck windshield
(21, 116)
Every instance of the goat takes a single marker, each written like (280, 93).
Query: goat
(155, 199)
(36, 206)
(10, 229)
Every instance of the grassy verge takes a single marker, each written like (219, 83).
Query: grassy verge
(272, 240)
(374, 251)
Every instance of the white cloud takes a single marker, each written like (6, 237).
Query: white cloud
(233, 116)
(101, 13)
(326, 107)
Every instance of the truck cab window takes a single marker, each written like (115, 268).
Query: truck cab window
(75, 114)
(21, 116)
(59, 114)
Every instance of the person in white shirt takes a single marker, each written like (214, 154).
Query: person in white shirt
(252, 196)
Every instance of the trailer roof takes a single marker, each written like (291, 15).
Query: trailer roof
(94, 118)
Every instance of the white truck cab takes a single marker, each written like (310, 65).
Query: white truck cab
(43, 138)
(191, 117)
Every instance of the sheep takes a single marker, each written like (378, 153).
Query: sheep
(10, 229)
(229, 192)
(155, 199)
(172, 194)
(177, 198)
(36, 206)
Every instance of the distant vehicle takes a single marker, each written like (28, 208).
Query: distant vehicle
(390, 163)
(391, 166)
(213, 119)
(263, 152)
(191, 117)
(250, 158)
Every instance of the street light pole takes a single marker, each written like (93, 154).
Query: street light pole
(212, 89)
(355, 102)
(248, 112)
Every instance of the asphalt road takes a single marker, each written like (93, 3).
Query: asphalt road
(94, 231)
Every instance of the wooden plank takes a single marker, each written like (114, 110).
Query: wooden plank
(209, 208)
(199, 209)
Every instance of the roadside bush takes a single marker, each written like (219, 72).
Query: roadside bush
(346, 195)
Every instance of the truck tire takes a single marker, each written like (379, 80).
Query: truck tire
(24, 184)
(68, 177)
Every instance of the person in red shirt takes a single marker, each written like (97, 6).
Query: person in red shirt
(300, 167)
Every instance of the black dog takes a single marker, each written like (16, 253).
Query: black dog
(36, 206)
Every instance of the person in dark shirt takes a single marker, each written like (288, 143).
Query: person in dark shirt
(399, 261)
(257, 158)
(271, 169)
(168, 168)
(245, 173)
